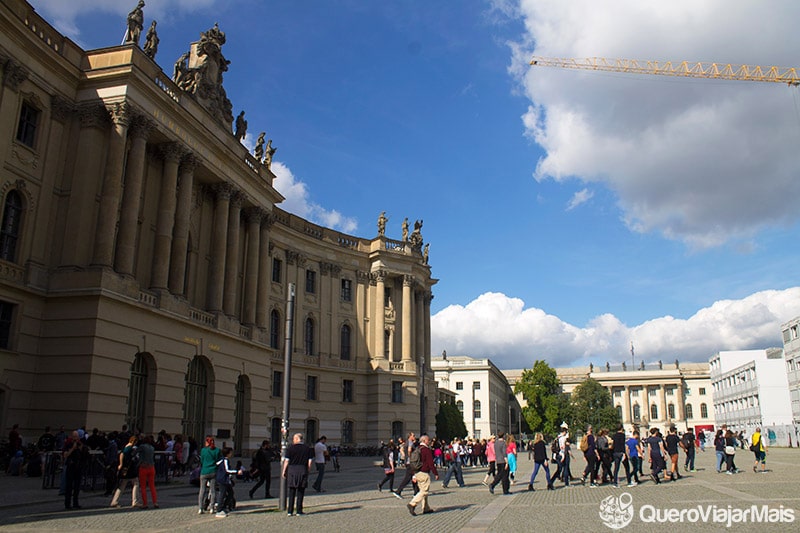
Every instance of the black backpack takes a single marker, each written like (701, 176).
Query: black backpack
(130, 465)
(415, 460)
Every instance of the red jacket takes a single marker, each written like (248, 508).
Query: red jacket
(428, 465)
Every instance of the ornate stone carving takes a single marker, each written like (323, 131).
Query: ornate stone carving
(135, 24)
(172, 151)
(14, 74)
(62, 109)
(222, 191)
(141, 126)
(121, 113)
(254, 214)
(151, 41)
(188, 163)
(93, 115)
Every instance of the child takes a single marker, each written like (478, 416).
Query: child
(225, 484)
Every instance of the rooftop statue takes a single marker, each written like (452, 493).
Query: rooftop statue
(151, 41)
(269, 153)
(425, 253)
(241, 127)
(405, 229)
(382, 224)
(416, 237)
(259, 149)
(135, 24)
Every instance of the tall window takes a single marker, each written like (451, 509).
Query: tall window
(28, 122)
(308, 338)
(347, 390)
(689, 413)
(277, 383)
(9, 232)
(387, 339)
(195, 395)
(347, 431)
(311, 431)
(397, 429)
(671, 410)
(311, 282)
(137, 393)
(311, 388)
(619, 412)
(277, 266)
(460, 406)
(387, 296)
(240, 424)
(274, 329)
(346, 338)
(6, 317)
(703, 410)
(397, 392)
(653, 412)
(476, 409)
(637, 412)
(347, 290)
(275, 430)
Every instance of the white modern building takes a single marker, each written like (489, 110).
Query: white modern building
(791, 353)
(483, 394)
(750, 389)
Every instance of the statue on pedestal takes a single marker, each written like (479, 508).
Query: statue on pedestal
(135, 24)
(241, 127)
(151, 41)
(258, 151)
(269, 152)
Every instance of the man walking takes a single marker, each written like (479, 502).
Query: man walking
(687, 443)
(320, 453)
(409, 447)
(421, 461)
(501, 463)
(263, 464)
(455, 464)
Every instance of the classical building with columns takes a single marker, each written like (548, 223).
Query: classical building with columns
(145, 266)
(658, 394)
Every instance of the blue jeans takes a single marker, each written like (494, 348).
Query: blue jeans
(455, 466)
(320, 474)
(720, 459)
(536, 471)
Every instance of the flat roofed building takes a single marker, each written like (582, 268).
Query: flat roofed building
(791, 353)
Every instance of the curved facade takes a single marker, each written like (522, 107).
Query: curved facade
(145, 267)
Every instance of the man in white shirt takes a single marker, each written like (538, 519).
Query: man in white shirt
(320, 452)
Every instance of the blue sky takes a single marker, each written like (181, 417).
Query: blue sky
(568, 213)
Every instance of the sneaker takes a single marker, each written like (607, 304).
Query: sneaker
(632, 484)
(444, 486)
(428, 511)
(380, 487)
(755, 469)
(221, 514)
(491, 489)
(593, 485)
(289, 514)
(300, 513)
(199, 511)
(530, 487)
(484, 483)
(411, 509)
(615, 485)
(397, 495)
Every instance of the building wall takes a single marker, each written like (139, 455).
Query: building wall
(139, 280)
(791, 352)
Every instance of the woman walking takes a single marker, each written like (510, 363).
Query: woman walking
(719, 447)
(128, 472)
(511, 453)
(389, 462)
(657, 452)
(540, 460)
(760, 450)
(209, 457)
(730, 452)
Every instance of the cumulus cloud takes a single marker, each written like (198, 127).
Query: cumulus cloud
(501, 328)
(699, 161)
(298, 202)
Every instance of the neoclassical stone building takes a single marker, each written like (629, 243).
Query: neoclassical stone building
(145, 267)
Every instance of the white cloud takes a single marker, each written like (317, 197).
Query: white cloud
(580, 197)
(298, 202)
(700, 161)
(501, 328)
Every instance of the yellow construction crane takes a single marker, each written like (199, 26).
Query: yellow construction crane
(683, 69)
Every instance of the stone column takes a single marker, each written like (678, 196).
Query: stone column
(216, 275)
(380, 314)
(112, 186)
(77, 247)
(165, 221)
(419, 325)
(626, 405)
(253, 216)
(232, 256)
(662, 399)
(408, 282)
(679, 411)
(139, 132)
(180, 235)
(264, 273)
(427, 333)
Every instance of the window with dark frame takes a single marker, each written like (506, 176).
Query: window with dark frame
(311, 387)
(277, 266)
(6, 318)
(397, 392)
(9, 231)
(274, 329)
(277, 384)
(346, 341)
(347, 431)
(347, 290)
(311, 282)
(308, 337)
(347, 390)
(28, 123)
(459, 385)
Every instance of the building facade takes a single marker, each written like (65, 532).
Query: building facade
(751, 390)
(791, 353)
(650, 395)
(482, 394)
(145, 267)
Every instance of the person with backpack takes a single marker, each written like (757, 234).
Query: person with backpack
(128, 473)
(421, 463)
(225, 497)
(408, 447)
(262, 461)
(604, 452)
(588, 446)
(760, 450)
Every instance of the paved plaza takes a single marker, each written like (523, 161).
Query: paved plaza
(351, 502)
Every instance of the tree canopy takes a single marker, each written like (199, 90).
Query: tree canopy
(591, 404)
(449, 422)
(547, 405)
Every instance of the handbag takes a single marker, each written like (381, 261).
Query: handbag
(730, 450)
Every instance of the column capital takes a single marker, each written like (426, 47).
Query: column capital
(380, 275)
(222, 191)
(408, 280)
(61, 108)
(93, 116)
(254, 214)
(188, 163)
(141, 127)
(171, 151)
(121, 113)
(14, 74)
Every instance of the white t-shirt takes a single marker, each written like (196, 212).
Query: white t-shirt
(319, 452)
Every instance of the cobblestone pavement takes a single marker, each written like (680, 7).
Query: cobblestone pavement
(351, 502)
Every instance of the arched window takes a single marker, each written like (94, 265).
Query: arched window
(637, 412)
(240, 414)
(194, 402)
(309, 336)
(274, 329)
(703, 410)
(671, 411)
(477, 408)
(653, 412)
(9, 231)
(345, 342)
(137, 393)
(689, 413)
(619, 412)
(460, 406)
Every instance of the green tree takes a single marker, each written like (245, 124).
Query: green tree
(449, 422)
(591, 404)
(547, 405)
